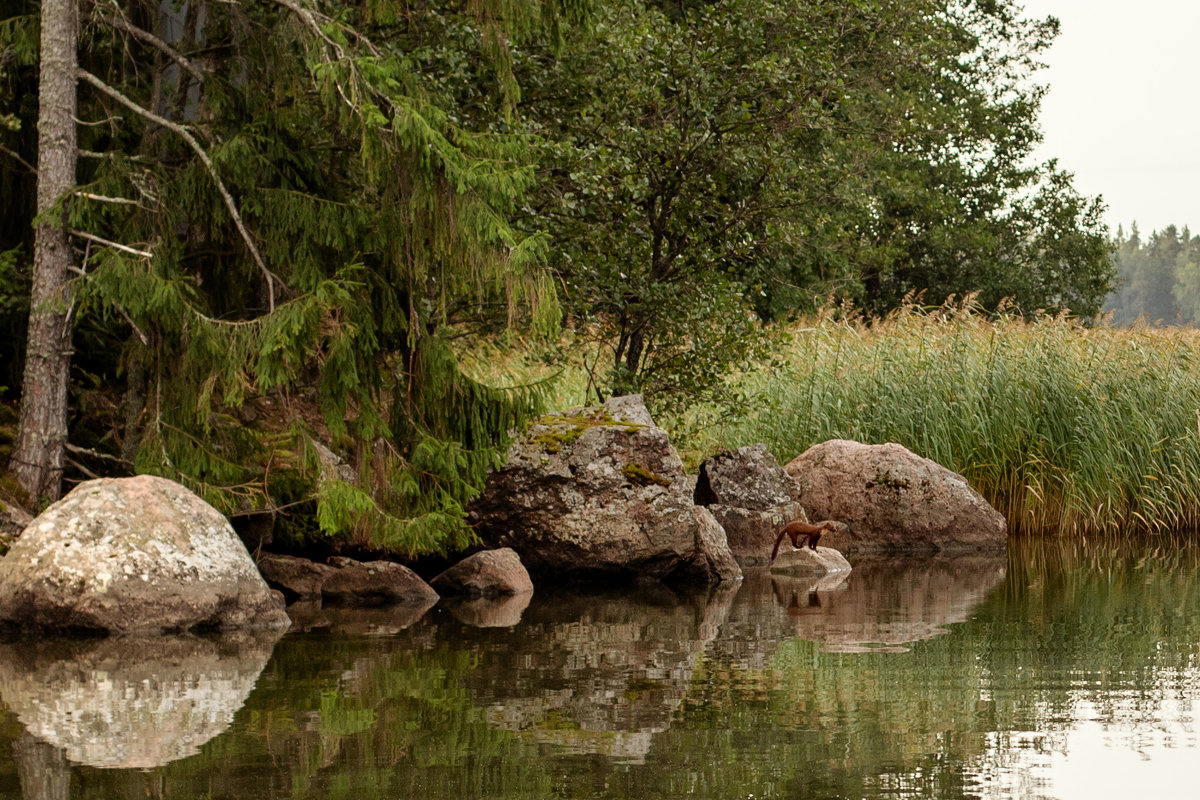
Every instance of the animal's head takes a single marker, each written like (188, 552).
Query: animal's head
(834, 526)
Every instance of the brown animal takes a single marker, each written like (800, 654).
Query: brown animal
(809, 532)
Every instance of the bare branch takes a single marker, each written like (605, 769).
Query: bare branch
(20, 160)
(124, 248)
(187, 136)
(125, 201)
(120, 23)
(110, 156)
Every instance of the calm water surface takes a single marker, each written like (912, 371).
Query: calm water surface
(1056, 673)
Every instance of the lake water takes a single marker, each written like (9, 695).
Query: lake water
(1060, 672)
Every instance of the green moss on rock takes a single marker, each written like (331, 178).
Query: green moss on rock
(640, 476)
(563, 429)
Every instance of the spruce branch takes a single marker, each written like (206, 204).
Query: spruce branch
(100, 198)
(187, 136)
(122, 24)
(83, 273)
(124, 248)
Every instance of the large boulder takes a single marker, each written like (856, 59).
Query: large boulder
(298, 578)
(751, 496)
(127, 555)
(894, 500)
(375, 583)
(488, 573)
(600, 492)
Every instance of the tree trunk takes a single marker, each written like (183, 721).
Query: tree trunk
(37, 454)
(43, 769)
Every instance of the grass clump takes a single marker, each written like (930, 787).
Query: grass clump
(1061, 426)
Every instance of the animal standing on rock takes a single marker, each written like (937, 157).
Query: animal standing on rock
(810, 532)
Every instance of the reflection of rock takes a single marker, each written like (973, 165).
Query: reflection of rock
(886, 604)
(806, 560)
(879, 604)
(131, 702)
(357, 621)
(610, 672)
(489, 612)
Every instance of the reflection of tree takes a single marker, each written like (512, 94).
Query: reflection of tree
(43, 768)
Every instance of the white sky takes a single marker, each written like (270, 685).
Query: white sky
(1122, 112)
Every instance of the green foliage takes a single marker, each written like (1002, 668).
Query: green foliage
(708, 163)
(304, 276)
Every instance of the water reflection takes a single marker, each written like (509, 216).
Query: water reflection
(127, 702)
(384, 620)
(887, 604)
(503, 611)
(1038, 682)
(610, 670)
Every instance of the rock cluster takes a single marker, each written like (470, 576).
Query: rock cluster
(590, 493)
(600, 492)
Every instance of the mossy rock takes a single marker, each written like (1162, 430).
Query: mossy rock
(563, 429)
(640, 476)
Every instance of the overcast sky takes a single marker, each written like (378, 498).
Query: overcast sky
(1123, 112)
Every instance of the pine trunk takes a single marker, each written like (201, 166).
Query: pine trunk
(37, 454)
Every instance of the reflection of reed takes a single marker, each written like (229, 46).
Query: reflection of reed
(131, 703)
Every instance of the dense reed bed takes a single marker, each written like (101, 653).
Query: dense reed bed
(1062, 427)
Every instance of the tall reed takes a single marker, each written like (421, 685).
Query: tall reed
(1062, 427)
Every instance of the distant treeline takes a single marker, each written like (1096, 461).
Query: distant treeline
(1158, 277)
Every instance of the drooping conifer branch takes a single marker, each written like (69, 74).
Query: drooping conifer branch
(187, 136)
(122, 24)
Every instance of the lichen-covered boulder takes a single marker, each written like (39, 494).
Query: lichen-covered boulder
(751, 496)
(894, 500)
(599, 492)
(488, 573)
(375, 583)
(126, 555)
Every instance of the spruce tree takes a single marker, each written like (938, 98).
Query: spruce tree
(280, 226)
